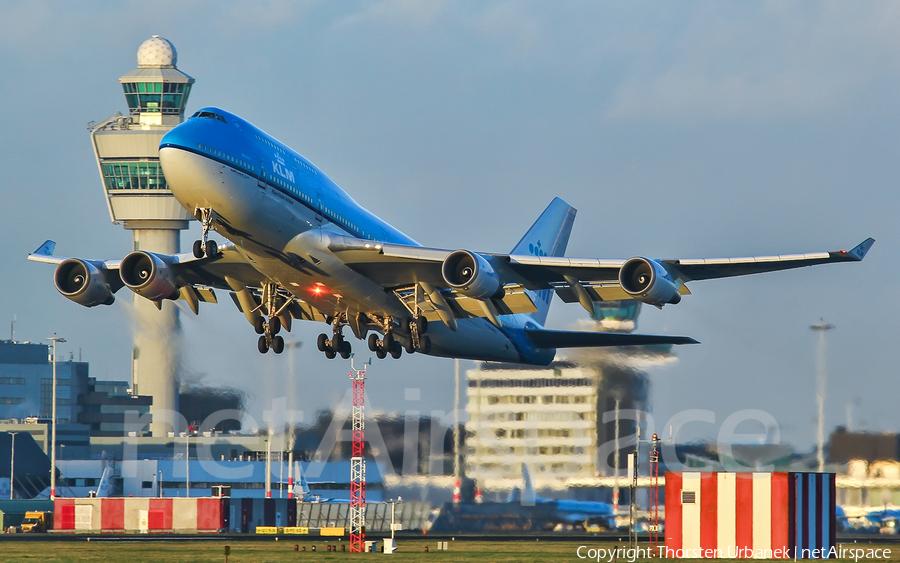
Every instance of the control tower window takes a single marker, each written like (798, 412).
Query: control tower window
(162, 97)
(145, 175)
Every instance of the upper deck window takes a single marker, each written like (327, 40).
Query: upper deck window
(209, 115)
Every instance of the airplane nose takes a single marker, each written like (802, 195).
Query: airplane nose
(172, 157)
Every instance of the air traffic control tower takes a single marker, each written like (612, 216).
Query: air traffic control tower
(127, 152)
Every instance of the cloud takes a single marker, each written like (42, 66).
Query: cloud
(728, 63)
(404, 13)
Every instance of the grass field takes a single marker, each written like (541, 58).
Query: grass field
(186, 551)
(282, 550)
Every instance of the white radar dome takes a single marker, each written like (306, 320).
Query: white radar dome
(157, 51)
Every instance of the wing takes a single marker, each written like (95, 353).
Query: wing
(406, 269)
(195, 278)
(205, 272)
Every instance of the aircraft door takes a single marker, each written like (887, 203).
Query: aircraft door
(319, 206)
(261, 178)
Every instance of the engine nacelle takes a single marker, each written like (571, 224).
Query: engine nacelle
(148, 275)
(648, 281)
(472, 275)
(83, 283)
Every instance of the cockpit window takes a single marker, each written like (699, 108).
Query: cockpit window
(209, 115)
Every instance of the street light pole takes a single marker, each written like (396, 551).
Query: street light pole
(12, 464)
(456, 472)
(187, 464)
(53, 339)
(821, 327)
(393, 546)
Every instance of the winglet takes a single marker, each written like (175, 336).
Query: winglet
(860, 250)
(44, 253)
(45, 249)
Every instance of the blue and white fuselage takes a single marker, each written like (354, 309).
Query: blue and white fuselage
(283, 213)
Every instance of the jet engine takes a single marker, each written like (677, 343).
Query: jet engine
(648, 281)
(83, 283)
(470, 274)
(149, 276)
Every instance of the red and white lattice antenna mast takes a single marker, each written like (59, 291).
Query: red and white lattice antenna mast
(358, 462)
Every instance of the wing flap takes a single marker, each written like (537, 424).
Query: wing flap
(582, 339)
(511, 303)
(515, 300)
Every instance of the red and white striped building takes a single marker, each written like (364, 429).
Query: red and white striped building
(749, 515)
(111, 515)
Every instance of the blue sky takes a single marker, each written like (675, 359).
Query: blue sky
(689, 129)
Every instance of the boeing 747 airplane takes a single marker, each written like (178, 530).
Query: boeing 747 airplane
(299, 247)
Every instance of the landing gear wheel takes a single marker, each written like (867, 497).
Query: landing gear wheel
(421, 325)
(211, 248)
(198, 249)
(373, 342)
(274, 325)
(263, 344)
(388, 341)
(345, 350)
(278, 344)
(425, 344)
(259, 325)
(408, 345)
(396, 351)
(322, 343)
(337, 342)
(330, 354)
(381, 354)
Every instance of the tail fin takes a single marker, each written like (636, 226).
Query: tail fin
(548, 236)
(529, 497)
(104, 485)
(301, 486)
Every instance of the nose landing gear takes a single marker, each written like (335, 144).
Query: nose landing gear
(204, 246)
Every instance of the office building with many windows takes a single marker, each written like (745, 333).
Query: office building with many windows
(26, 383)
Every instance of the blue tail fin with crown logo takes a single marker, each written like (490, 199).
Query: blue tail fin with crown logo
(548, 236)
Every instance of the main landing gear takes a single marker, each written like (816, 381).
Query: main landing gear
(337, 344)
(390, 345)
(269, 329)
(269, 337)
(204, 246)
(384, 346)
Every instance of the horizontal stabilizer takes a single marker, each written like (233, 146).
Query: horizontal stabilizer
(583, 339)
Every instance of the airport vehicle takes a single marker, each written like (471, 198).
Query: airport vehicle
(299, 247)
(36, 522)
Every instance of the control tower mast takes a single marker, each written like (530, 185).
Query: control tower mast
(127, 152)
